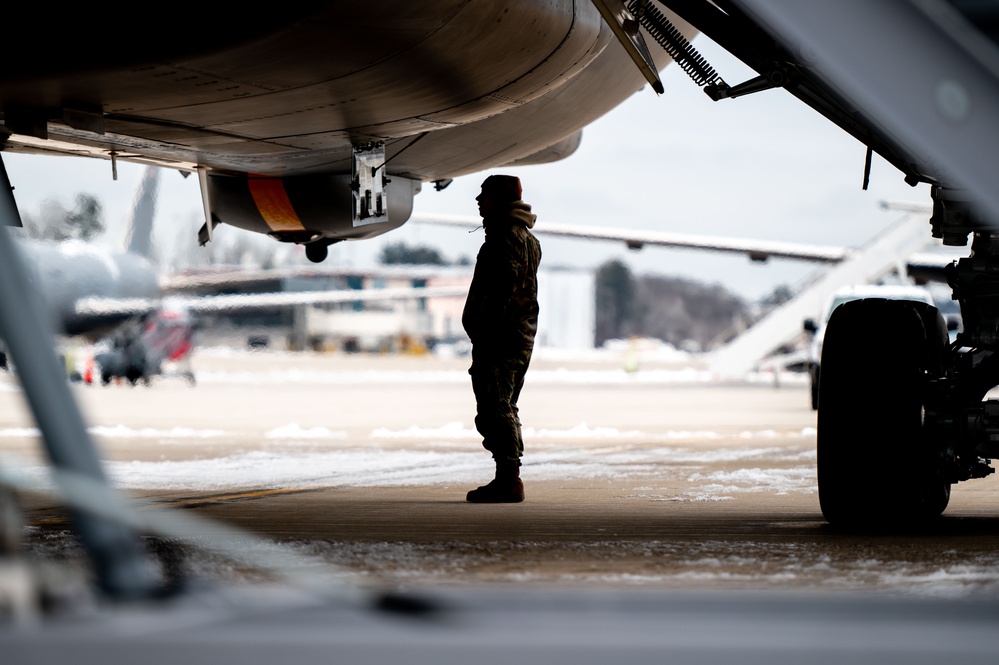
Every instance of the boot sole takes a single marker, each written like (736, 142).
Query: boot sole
(515, 499)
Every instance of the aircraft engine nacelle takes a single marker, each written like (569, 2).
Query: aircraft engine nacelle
(314, 210)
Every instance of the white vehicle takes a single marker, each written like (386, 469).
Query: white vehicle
(843, 295)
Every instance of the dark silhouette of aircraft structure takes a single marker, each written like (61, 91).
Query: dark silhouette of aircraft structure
(319, 122)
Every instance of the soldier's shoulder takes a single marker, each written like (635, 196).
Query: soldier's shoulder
(523, 233)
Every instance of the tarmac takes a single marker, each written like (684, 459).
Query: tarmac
(663, 478)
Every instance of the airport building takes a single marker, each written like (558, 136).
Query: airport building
(566, 298)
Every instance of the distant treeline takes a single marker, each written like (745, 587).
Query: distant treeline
(399, 253)
(679, 311)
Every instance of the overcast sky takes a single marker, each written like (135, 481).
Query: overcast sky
(763, 166)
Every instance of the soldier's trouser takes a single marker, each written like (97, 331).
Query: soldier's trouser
(497, 383)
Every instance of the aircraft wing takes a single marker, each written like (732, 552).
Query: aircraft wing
(922, 266)
(236, 302)
(756, 250)
(98, 307)
(217, 278)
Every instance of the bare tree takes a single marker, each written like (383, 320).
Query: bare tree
(54, 222)
(676, 310)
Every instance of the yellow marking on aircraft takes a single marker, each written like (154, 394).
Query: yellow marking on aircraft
(274, 205)
(193, 502)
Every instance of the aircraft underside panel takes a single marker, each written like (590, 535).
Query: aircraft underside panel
(296, 98)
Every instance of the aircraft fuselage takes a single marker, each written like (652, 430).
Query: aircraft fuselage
(291, 94)
(66, 272)
(444, 88)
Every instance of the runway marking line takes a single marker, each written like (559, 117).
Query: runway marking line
(197, 502)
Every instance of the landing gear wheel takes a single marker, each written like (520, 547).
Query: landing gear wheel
(875, 467)
(316, 252)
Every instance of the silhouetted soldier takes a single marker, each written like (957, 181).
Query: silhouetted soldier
(501, 319)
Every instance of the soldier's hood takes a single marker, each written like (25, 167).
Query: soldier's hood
(516, 212)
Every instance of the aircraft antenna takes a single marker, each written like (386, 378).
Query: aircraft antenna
(673, 42)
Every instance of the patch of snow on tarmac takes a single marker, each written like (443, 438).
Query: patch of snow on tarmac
(455, 430)
(377, 467)
(458, 430)
(20, 432)
(581, 452)
(704, 563)
(561, 376)
(121, 432)
(776, 481)
(341, 468)
(296, 431)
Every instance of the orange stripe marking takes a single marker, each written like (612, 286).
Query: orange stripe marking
(274, 205)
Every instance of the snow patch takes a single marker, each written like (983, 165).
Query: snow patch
(296, 431)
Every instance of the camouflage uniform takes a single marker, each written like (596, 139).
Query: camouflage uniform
(501, 319)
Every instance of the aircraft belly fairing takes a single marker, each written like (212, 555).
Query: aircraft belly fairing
(346, 108)
(294, 100)
(434, 92)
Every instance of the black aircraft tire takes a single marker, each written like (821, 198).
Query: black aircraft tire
(934, 492)
(873, 466)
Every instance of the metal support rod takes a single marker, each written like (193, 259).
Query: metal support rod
(206, 203)
(122, 570)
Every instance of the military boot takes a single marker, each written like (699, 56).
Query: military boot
(506, 487)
